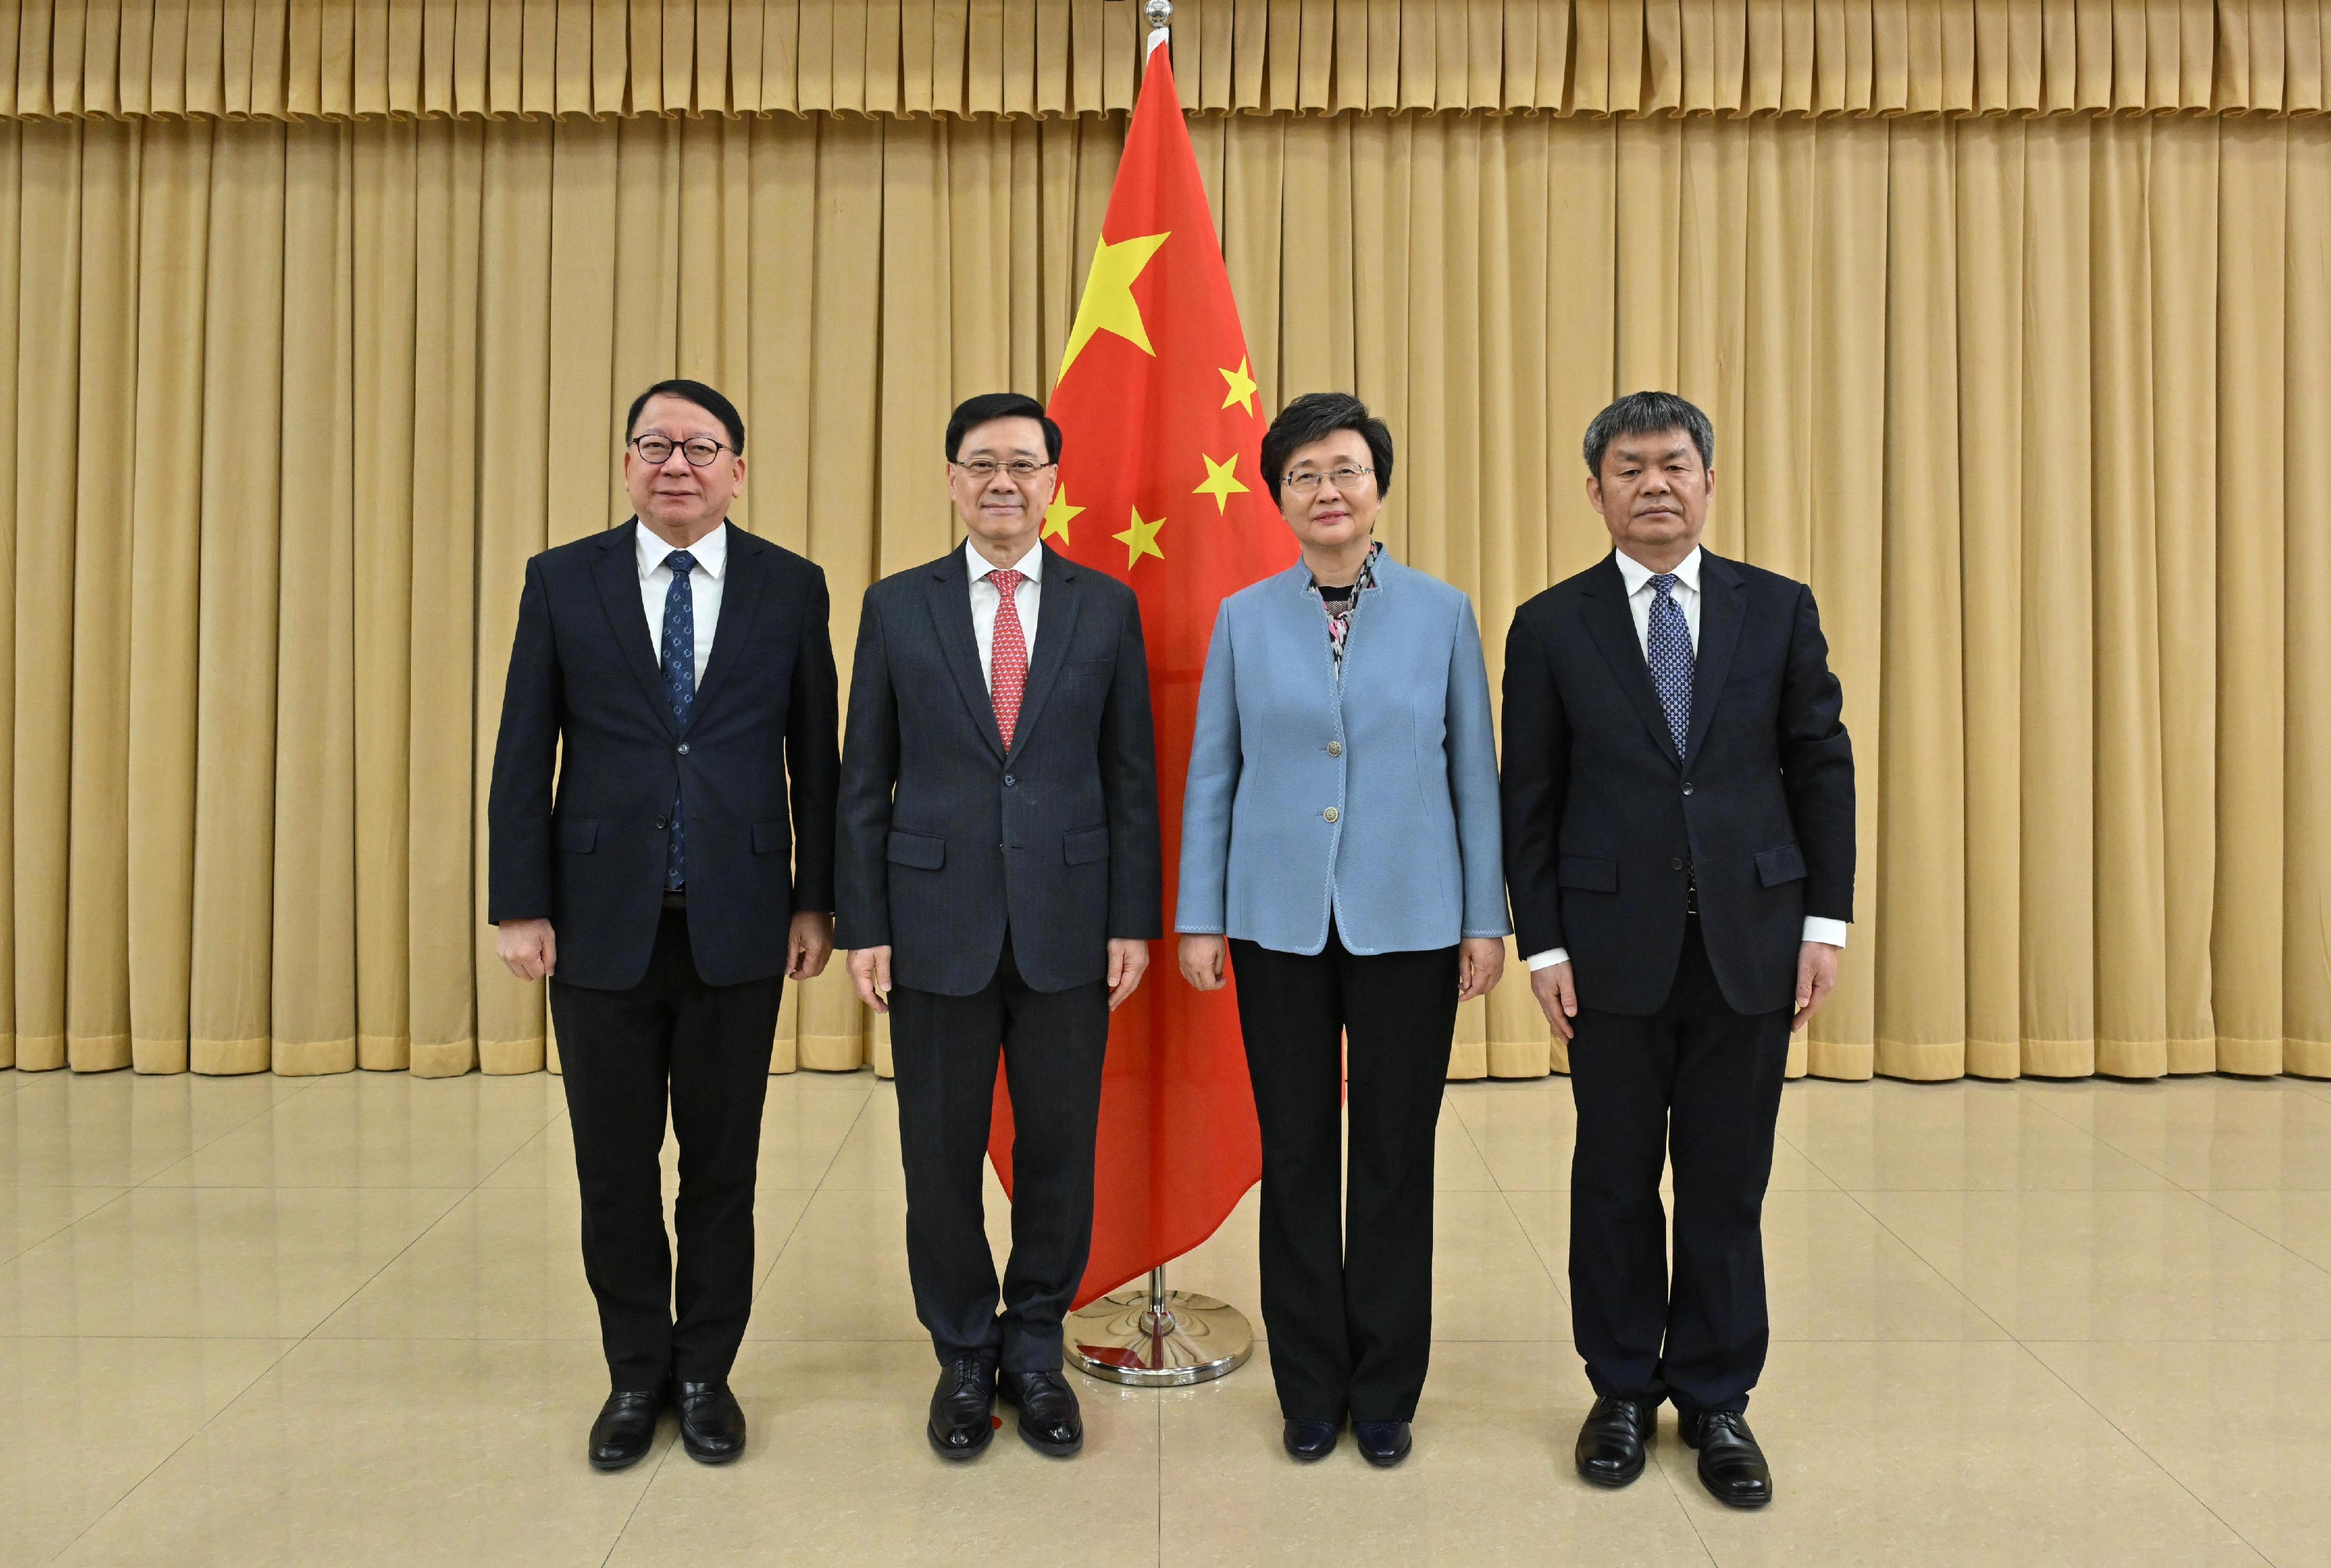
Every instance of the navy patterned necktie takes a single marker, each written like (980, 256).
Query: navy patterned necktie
(679, 686)
(1667, 644)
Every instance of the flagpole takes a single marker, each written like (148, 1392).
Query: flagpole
(1150, 1336)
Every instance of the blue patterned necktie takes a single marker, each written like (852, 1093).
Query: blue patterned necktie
(680, 684)
(1666, 643)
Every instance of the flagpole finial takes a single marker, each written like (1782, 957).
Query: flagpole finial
(1159, 14)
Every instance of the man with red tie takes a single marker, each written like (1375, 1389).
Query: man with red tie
(998, 886)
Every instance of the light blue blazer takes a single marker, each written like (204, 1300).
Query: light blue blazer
(1372, 798)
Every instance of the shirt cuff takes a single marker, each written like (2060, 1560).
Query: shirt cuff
(1550, 958)
(1830, 931)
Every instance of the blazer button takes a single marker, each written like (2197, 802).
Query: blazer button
(1687, 787)
(683, 748)
(1009, 781)
(1334, 749)
(660, 823)
(1329, 813)
(1675, 865)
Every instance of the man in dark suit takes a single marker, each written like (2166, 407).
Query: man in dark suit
(687, 669)
(999, 886)
(1679, 817)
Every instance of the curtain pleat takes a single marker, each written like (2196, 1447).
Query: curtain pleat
(2029, 402)
(339, 59)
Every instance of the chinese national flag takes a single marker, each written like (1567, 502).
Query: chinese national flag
(1162, 442)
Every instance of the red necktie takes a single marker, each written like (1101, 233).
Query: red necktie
(1007, 658)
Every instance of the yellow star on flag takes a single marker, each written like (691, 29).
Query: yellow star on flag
(1057, 514)
(1242, 385)
(1222, 483)
(1141, 540)
(1107, 304)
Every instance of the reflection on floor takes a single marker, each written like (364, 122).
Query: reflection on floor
(342, 1321)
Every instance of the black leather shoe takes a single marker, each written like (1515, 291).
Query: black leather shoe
(1612, 1441)
(711, 1426)
(962, 1419)
(625, 1429)
(1049, 1422)
(1310, 1439)
(1731, 1466)
(1383, 1444)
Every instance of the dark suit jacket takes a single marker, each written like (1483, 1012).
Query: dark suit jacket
(585, 671)
(1604, 824)
(946, 839)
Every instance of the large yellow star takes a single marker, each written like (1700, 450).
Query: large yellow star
(1242, 385)
(1141, 540)
(1222, 483)
(1057, 514)
(1107, 304)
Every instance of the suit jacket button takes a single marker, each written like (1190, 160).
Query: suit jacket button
(1334, 749)
(660, 822)
(1330, 813)
(1687, 788)
(1009, 781)
(1675, 865)
(683, 748)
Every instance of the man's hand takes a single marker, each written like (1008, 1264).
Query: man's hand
(809, 944)
(1816, 978)
(1480, 965)
(529, 947)
(1129, 960)
(1556, 990)
(870, 971)
(1203, 958)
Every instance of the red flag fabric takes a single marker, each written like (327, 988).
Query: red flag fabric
(1161, 451)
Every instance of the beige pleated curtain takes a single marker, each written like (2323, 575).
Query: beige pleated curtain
(2014, 320)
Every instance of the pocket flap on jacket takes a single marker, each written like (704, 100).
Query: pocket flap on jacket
(1586, 871)
(1085, 846)
(578, 837)
(922, 850)
(768, 838)
(1781, 863)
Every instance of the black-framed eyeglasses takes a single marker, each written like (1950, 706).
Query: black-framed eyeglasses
(656, 449)
(985, 469)
(1304, 481)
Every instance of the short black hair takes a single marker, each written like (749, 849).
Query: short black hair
(1315, 416)
(704, 397)
(973, 411)
(1649, 414)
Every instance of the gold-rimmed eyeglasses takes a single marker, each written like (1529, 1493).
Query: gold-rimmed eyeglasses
(1303, 481)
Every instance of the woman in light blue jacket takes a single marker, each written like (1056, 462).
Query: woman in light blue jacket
(1339, 839)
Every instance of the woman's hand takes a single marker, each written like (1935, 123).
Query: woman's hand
(1203, 958)
(1480, 964)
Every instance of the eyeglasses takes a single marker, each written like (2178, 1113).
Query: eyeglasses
(1304, 482)
(656, 450)
(984, 469)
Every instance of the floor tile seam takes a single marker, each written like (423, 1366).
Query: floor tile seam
(1659, 1463)
(391, 1262)
(539, 1132)
(2150, 1457)
(44, 1241)
(2272, 1240)
(1953, 1286)
(1544, 1262)
(792, 1229)
(637, 1503)
(229, 1131)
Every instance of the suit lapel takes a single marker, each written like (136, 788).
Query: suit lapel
(1055, 623)
(1720, 618)
(1612, 627)
(949, 592)
(617, 574)
(740, 602)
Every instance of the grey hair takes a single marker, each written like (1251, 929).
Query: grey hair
(1649, 414)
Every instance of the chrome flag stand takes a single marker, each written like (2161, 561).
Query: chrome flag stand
(1153, 1337)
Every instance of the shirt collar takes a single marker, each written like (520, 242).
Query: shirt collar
(711, 552)
(1638, 577)
(1031, 567)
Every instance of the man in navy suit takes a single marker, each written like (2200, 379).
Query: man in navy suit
(674, 672)
(999, 885)
(1679, 836)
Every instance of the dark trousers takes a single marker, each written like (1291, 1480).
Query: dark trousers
(943, 1051)
(622, 1052)
(1347, 1276)
(1699, 1083)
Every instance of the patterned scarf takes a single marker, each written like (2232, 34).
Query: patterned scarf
(1339, 617)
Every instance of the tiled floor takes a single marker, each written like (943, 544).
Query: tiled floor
(342, 1321)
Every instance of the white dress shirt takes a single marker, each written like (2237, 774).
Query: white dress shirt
(986, 601)
(1685, 594)
(710, 555)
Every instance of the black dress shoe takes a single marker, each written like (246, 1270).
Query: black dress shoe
(963, 1418)
(1049, 1422)
(1611, 1441)
(626, 1429)
(1310, 1439)
(1383, 1444)
(1731, 1466)
(711, 1426)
